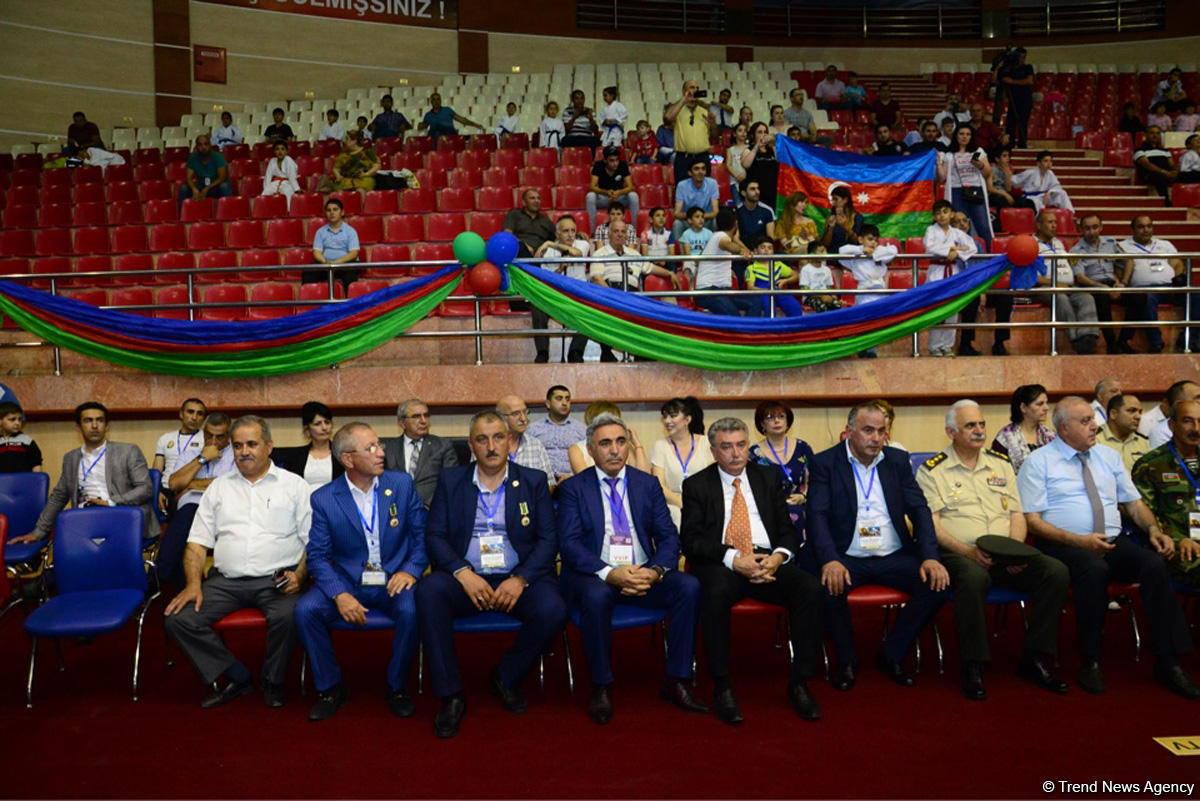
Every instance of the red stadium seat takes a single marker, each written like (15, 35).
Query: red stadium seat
(544, 157)
(351, 202)
(418, 201)
(29, 195)
(222, 293)
(271, 293)
(577, 156)
(306, 204)
(241, 168)
(171, 295)
(505, 177)
(535, 176)
(486, 223)
(474, 160)
(168, 236)
(206, 236)
(130, 239)
(154, 190)
(92, 240)
(442, 252)
(194, 209)
(126, 212)
(406, 227)
(89, 214)
(1017, 221)
(167, 263)
(264, 150)
(517, 140)
(318, 292)
(92, 297)
(58, 176)
(369, 229)
(286, 233)
(1118, 157)
(418, 144)
(117, 172)
(236, 152)
(149, 172)
(508, 158)
(89, 174)
(260, 258)
(572, 176)
(440, 160)
(452, 142)
(407, 161)
(458, 308)
(133, 261)
(84, 193)
(244, 234)
(309, 165)
(25, 176)
(444, 226)
(431, 179)
(161, 211)
(311, 227)
(382, 202)
(213, 260)
(644, 174)
(18, 243)
(266, 208)
(234, 207)
(365, 286)
(570, 197)
(94, 264)
(1091, 140)
(1185, 195)
(464, 178)
(48, 265)
(1066, 222)
(121, 192)
(385, 253)
(147, 155)
(456, 200)
(25, 216)
(133, 296)
(914, 244)
(50, 215)
(653, 195)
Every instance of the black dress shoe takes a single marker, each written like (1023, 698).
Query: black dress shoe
(895, 671)
(998, 349)
(972, 682)
(1125, 347)
(967, 350)
(802, 701)
(328, 703)
(1091, 679)
(224, 695)
(449, 717)
(844, 677)
(677, 692)
(541, 358)
(1034, 670)
(274, 695)
(510, 699)
(1176, 679)
(725, 706)
(401, 704)
(600, 704)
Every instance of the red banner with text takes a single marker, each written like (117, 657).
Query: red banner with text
(427, 13)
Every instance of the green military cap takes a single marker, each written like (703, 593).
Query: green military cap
(1005, 550)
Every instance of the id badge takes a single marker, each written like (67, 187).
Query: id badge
(1194, 525)
(491, 552)
(621, 555)
(870, 538)
(373, 577)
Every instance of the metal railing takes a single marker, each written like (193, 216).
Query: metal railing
(814, 21)
(1046, 18)
(674, 16)
(479, 334)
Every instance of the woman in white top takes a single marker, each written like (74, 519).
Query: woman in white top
(578, 453)
(684, 452)
(733, 157)
(967, 174)
(314, 461)
(779, 123)
(282, 177)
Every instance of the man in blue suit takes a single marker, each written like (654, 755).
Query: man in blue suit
(619, 545)
(859, 496)
(491, 543)
(366, 550)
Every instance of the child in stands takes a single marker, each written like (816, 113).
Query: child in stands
(510, 123)
(1187, 121)
(612, 119)
(551, 131)
(334, 129)
(951, 248)
(282, 174)
(18, 452)
(815, 275)
(362, 123)
(693, 240)
(658, 238)
(644, 146)
(759, 274)
(1158, 116)
(616, 211)
(868, 262)
(1189, 163)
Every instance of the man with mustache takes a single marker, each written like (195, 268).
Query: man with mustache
(972, 491)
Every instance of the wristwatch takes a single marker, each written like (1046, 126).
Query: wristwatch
(660, 570)
(200, 460)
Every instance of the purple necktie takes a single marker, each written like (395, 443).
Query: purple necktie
(620, 523)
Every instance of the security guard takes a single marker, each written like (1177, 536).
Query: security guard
(1120, 431)
(972, 491)
(1168, 478)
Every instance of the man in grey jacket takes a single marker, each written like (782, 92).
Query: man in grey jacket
(417, 452)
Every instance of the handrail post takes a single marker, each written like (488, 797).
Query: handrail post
(1054, 306)
(478, 330)
(916, 278)
(1187, 307)
(191, 287)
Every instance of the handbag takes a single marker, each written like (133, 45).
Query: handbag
(970, 194)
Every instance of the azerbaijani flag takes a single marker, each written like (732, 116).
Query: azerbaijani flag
(895, 193)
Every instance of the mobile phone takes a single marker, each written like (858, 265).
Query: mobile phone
(281, 579)
(700, 93)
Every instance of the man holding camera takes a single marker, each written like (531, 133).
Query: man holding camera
(693, 123)
(256, 521)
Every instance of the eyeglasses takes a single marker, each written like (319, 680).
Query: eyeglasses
(372, 449)
(775, 416)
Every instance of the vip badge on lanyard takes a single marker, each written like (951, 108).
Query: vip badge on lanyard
(373, 576)
(870, 536)
(620, 545)
(84, 473)
(683, 463)
(491, 545)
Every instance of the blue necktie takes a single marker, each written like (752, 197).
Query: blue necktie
(622, 535)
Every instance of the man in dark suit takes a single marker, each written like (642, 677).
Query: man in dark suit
(491, 543)
(742, 544)
(100, 473)
(366, 549)
(859, 496)
(417, 452)
(619, 545)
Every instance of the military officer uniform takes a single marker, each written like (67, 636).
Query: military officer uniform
(1164, 484)
(970, 504)
(1132, 448)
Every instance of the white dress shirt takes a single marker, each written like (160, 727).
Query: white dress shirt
(872, 509)
(411, 454)
(639, 555)
(1150, 272)
(93, 473)
(254, 529)
(217, 467)
(1150, 420)
(613, 271)
(758, 532)
(368, 506)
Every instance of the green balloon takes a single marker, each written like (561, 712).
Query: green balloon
(469, 248)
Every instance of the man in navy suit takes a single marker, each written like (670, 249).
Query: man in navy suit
(740, 543)
(366, 550)
(619, 545)
(491, 543)
(859, 496)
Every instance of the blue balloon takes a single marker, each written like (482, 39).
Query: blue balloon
(502, 248)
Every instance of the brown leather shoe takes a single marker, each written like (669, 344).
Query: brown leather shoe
(677, 692)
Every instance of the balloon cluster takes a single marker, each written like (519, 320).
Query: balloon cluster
(485, 259)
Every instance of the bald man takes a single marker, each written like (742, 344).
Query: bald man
(524, 448)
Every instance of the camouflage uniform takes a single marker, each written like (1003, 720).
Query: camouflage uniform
(1166, 490)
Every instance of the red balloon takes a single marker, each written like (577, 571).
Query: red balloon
(484, 278)
(1022, 250)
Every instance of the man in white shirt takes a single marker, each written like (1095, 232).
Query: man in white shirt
(952, 248)
(1179, 392)
(569, 244)
(256, 521)
(718, 274)
(186, 442)
(1069, 307)
(1105, 388)
(621, 275)
(1158, 415)
(524, 449)
(1158, 267)
(334, 129)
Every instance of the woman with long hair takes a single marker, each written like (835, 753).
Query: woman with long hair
(758, 159)
(794, 229)
(682, 453)
(967, 173)
(843, 223)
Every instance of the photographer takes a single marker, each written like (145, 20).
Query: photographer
(1004, 61)
(690, 119)
(1019, 82)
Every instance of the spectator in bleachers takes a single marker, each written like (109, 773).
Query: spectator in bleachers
(665, 135)
(616, 211)
(580, 123)
(697, 191)
(765, 269)
(621, 275)
(82, 132)
(798, 115)
(99, 157)
(333, 129)
(756, 220)
(1000, 187)
(314, 461)
(657, 240)
(947, 133)
(439, 120)
(914, 136)
(795, 134)
(1189, 162)
(611, 182)
(855, 94)
(691, 123)
(1019, 80)
(843, 224)
(362, 128)
(528, 224)
(794, 229)
(828, 93)
(816, 275)
(1130, 122)
(282, 176)
(644, 146)
(509, 123)
(988, 134)
(1188, 120)
(746, 116)
(612, 119)
(951, 249)
(389, 123)
(719, 274)
(278, 130)
(227, 133)
(1153, 272)
(886, 109)
(569, 244)
(18, 452)
(1041, 185)
(884, 144)
(696, 235)
(1070, 307)
(967, 173)
(356, 165)
(723, 111)
(1099, 270)
(1158, 116)
(551, 131)
(207, 173)
(953, 110)
(868, 261)
(929, 139)
(779, 123)
(760, 164)
(1170, 91)
(1155, 165)
(738, 141)
(1001, 302)
(336, 242)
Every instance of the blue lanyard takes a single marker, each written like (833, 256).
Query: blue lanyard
(83, 474)
(491, 513)
(181, 448)
(684, 464)
(783, 462)
(1143, 249)
(370, 528)
(616, 501)
(1191, 479)
(867, 490)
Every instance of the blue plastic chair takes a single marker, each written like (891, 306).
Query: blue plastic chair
(919, 458)
(22, 498)
(101, 580)
(482, 623)
(624, 616)
(155, 488)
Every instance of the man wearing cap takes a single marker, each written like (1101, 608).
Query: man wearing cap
(611, 181)
(972, 491)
